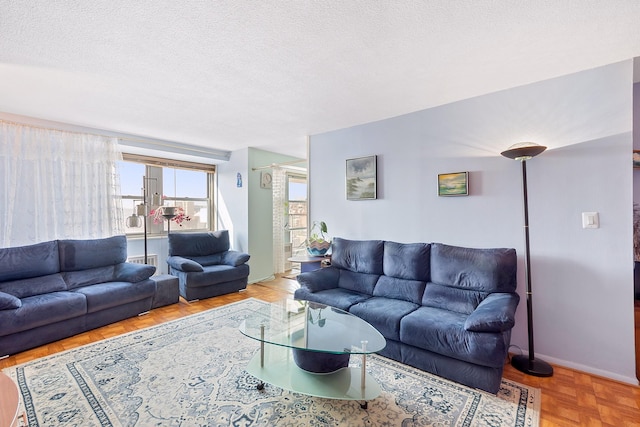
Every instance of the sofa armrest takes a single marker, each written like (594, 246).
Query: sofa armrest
(184, 264)
(319, 280)
(130, 272)
(234, 258)
(9, 302)
(496, 313)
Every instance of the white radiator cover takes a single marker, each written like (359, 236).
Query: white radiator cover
(152, 259)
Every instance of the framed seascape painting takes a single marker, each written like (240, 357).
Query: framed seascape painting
(453, 184)
(361, 178)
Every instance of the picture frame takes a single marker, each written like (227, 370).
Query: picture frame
(636, 159)
(361, 178)
(453, 184)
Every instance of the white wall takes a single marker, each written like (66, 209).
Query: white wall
(233, 201)
(582, 279)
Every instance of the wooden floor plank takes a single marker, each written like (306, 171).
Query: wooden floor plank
(569, 397)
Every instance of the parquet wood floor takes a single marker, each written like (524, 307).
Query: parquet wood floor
(569, 397)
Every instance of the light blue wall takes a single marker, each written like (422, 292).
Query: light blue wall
(247, 211)
(582, 279)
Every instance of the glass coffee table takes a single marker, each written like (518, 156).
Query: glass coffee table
(305, 347)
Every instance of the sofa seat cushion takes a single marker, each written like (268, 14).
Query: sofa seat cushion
(336, 297)
(23, 288)
(40, 310)
(107, 295)
(214, 274)
(384, 314)
(442, 331)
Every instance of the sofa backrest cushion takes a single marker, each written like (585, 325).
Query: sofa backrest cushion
(22, 288)
(487, 270)
(358, 282)
(407, 261)
(403, 289)
(23, 262)
(198, 244)
(92, 253)
(90, 276)
(462, 277)
(358, 256)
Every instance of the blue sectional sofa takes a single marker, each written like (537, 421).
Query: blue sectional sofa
(444, 309)
(205, 265)
(56, 289)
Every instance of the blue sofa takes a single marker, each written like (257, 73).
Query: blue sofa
(56, 289)
(444, 309)
(205, 265)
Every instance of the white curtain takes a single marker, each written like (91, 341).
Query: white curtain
(278, 188)
(57, 185)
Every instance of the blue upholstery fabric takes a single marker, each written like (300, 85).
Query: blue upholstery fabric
(442, 331)
(34, 285)
(495, 314)
(92, 253)
(39, 310)
(29, 261)
(402, 289)
(112, 294)
(130, 272)
(407, 260)
(205, 266)
(360, 256)
(384, 314)
(198, 244)
(358, 282)
(453, 299)
(488, 270)
(184, 264)
(8, 301)
(445, 309)
(91, 276)
(66, 287)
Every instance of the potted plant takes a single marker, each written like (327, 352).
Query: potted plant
(317, 243)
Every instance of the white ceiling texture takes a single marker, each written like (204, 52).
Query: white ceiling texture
(237, 73)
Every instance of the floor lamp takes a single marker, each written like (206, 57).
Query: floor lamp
(528, 364)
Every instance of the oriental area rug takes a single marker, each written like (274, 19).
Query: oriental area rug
(190, 372)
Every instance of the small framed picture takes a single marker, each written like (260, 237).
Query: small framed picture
(453, 184)
(636, 159)
(361, 178)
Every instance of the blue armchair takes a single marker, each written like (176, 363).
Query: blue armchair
(205, 266)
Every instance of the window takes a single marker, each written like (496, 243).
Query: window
(297, 221)
(189, 189)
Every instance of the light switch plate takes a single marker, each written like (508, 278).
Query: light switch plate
(590, 220)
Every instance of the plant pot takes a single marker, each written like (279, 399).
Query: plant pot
(318, 247)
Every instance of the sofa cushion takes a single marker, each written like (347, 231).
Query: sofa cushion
(384, 314)
(106, 295)
(34, 286)
(358, 282)
(91, 276)
(184, 264)
(453, 299)
(214, 274)
(361, 256)
(442, 331)
(198, 244)
(8, 301)
(335, 297)
(235, 258)
(40, 310)
(130, 272)
(406, 290)
(407, 260)
(92, 253)
(23, 262)
(488, 270)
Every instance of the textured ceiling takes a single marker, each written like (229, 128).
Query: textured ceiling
(235, 74)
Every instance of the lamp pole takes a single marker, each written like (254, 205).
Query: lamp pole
(528, 363)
